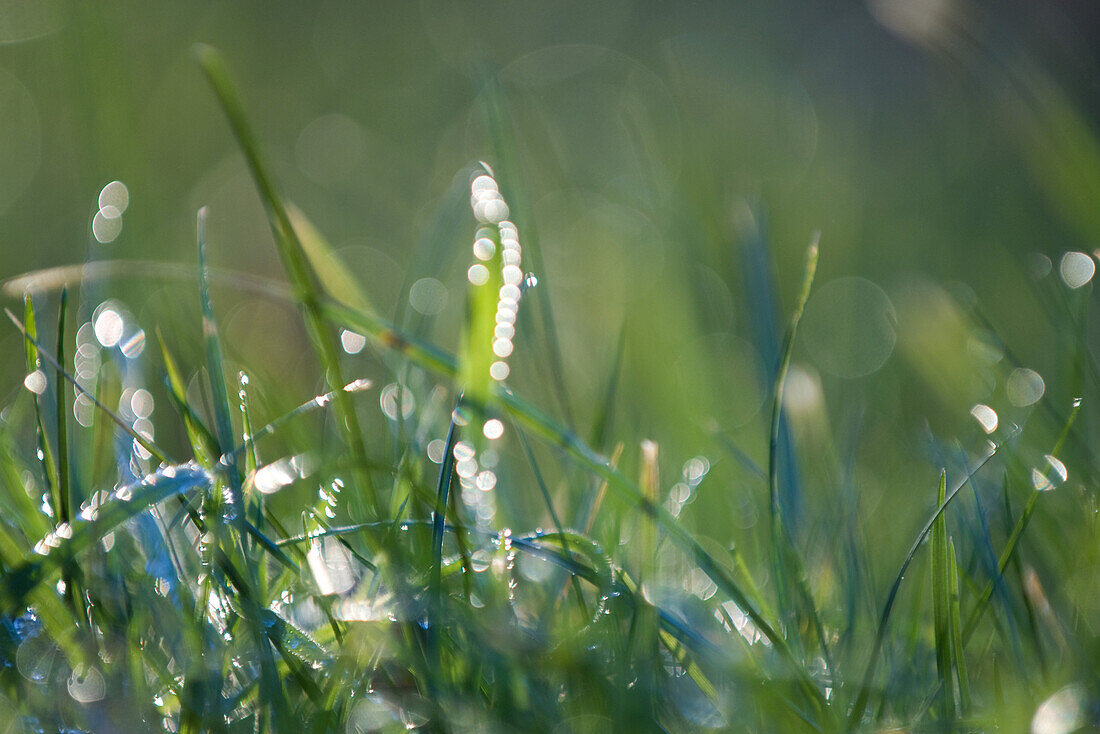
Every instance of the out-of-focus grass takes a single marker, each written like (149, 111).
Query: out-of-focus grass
(658, 514)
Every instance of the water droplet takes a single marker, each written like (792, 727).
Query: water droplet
(436, 447)
(1051, 476)
(499, 370)
(482, 184)
(428, 296)
(141, 403)
(395, 398)
(116, 196)
(478, 274)
(484, 248)
(1024, 387)
(87, 685)
(512, 275)
(1062, 713)
(480, 560)
(1076, 269)
(35, 382)
(493, 429)
(133, 345)
(108, 326)
(106, 228)
(486, 481)
(351, 342)
(460, 416)
(986, 417)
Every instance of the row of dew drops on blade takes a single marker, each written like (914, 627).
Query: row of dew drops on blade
(1024, 387)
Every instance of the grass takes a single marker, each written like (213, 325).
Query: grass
(203, 583)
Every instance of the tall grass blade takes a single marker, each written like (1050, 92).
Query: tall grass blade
(65, 498)
(955, 625)
(215, 366)
(941, 594)
(291, 253)
(332, 273)
(49, 464)
(204, 445)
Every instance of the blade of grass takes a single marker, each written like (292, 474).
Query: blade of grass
(544, 491)
(940, 601)
(334, 275)
(296, 266)
(203, 444)
(788, 561)
(439, 519)
(855, 716)
(49, 465)
(955, 625)
(223, 424)
(65, 499)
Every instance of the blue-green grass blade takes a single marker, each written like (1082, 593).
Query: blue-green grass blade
(332, 273)
(788, 564)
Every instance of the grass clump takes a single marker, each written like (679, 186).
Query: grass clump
(310, 574)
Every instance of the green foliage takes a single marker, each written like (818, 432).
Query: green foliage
(330, 571)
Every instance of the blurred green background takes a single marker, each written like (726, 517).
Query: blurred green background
(671, 164)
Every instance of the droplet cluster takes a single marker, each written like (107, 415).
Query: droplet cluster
(475, 473)
(490, 209)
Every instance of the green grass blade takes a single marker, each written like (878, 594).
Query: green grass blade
(203, 444)
(955, 625)
(215, 366)
(291, 253)
(940, 602)
(548, 501)
(65, 499)
(334, 275)
(855, 716)
(780, 383)
(788, 564)
(477, 337)
(537, 423)
(49, 465)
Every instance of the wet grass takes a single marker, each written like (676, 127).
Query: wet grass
(310, 575)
